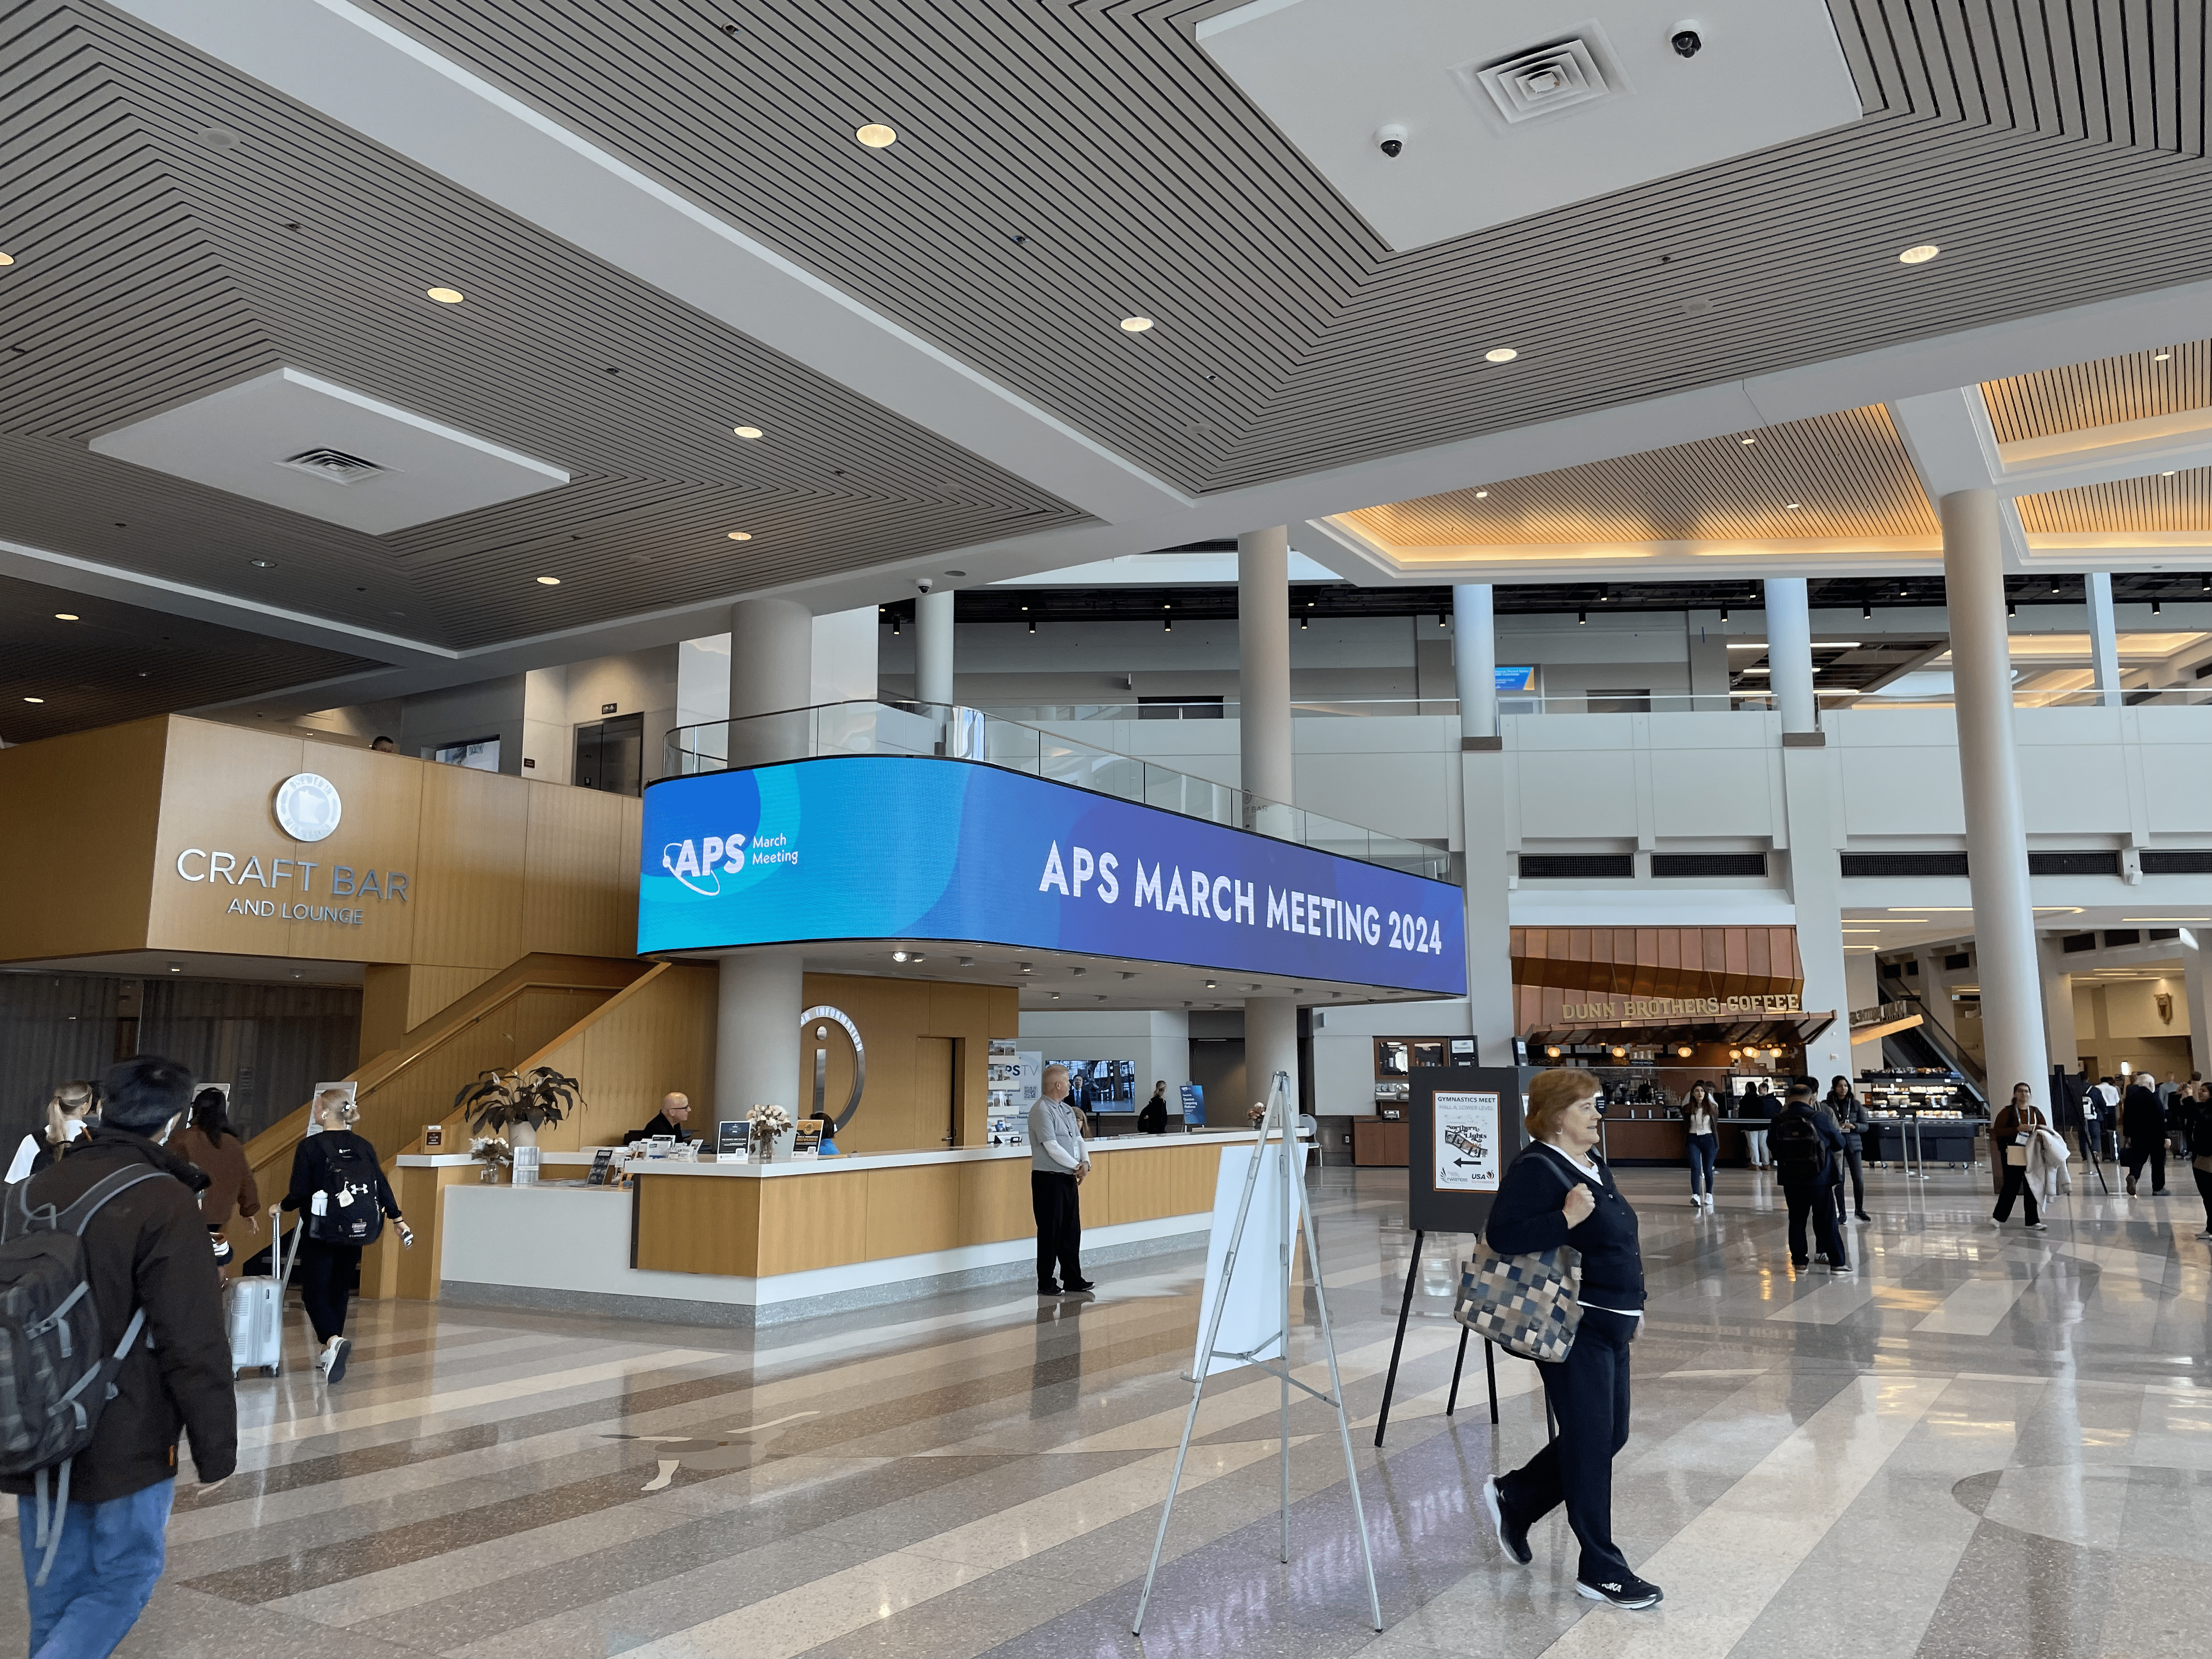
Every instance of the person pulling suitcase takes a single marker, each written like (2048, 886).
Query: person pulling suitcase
(253, 1307)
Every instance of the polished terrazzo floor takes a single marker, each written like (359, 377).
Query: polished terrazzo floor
(1981, 1444)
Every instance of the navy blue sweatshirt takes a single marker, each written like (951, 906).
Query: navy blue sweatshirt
(1530, 1216)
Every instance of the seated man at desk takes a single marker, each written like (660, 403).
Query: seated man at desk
(675, 1111)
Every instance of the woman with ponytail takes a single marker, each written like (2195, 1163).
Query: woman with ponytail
(66, 1115)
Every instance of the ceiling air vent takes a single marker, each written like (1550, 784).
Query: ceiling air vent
(333, 466)
(1532, 83)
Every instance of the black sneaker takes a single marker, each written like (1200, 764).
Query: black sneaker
(1047, 1289)
(1081, 1284)
(1512, 1539)
(1633, 1593)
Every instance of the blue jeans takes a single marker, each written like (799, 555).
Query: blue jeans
(1703, 1151)
(104, 1573)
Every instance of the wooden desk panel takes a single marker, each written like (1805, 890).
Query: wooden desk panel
(994, 1201)
(1381, 1143)
(694, 1226)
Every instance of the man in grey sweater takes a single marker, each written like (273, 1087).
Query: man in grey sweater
(1057, 1164)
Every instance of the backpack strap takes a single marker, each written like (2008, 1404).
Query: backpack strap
(79, 1215)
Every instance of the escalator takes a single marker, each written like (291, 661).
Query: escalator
(1928, 1046)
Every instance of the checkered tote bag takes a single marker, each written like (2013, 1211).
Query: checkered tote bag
(1528, 1305)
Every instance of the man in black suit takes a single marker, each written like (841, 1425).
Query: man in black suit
(2142, 1127)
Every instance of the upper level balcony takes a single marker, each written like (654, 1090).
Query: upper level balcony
(953, 732)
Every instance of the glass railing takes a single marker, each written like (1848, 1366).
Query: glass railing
(1739, 700)
(960, 733)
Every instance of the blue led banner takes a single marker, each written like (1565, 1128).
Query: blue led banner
(882, 847)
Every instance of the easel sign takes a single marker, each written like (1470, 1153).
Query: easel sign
(1466, 1126)
(1465, 1130)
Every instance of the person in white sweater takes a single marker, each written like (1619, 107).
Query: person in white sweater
(1058, 1163)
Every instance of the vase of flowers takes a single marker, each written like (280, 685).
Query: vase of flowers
(494, 1153)
(767, 1124)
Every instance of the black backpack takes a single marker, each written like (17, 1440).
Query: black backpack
(1798, 1149)
(349, 1212)
(54, 1379)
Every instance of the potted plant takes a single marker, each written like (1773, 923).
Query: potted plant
(766, 1122)
(518, 1102)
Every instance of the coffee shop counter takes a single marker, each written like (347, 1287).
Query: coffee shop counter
(747, 1244)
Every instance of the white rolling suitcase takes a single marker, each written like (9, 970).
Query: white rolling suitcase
(253, 1308)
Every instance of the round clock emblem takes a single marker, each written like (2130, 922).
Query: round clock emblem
(307, 806)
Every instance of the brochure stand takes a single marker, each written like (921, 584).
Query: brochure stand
(1272, 1352)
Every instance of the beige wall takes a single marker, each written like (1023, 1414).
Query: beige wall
(907, 1025)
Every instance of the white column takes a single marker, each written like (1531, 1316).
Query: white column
(932, 649)
(1707, 638)
(1988, 774)
(756, 1035)
(757, 1029)
(1263, 648)
(845, 650)
(2104, 638)
(1263, 667)
(1486, 869)
(2197, 988)
(1474, 658)
(1812, 803)
(1271, 1045)
(2058, 1002)
(1790, 653)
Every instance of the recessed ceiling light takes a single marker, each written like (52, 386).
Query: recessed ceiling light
(1135, 325)
(1793, 506)
(741, 535)
(7, 258)
(1482, 494)
(34, 700)
(956, 573)
(67, 615)
(1918, 254)
(1500, 354)
(2161, 356)
(1747, 441)
(262, 564)
(446, 296)
(549, 581)
(877, 135)
(747, 431)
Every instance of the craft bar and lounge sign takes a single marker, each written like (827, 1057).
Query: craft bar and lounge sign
(307, 808)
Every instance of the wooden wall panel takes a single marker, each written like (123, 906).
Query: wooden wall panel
(476, 827)
(217, 783)
(703, 1224)
(891, 1014)
(1147, 1185)
(654, 1037)
(83, 812)
(433, 988)
(579, 893)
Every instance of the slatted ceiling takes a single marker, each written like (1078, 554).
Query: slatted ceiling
(154, 269)
(122, 662)
(2183, 502)
(1103, 133)
(2105, 393)
(1848, 472)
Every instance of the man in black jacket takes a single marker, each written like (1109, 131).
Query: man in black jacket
(145, 1247)
(1807, 1147)
(2142, 1127)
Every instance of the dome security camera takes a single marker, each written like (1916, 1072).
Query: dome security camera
(1390, 140)
(1687, 38)
(922, 584)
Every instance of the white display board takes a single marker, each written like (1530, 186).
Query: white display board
(1255, 1312)
(1465, 1142)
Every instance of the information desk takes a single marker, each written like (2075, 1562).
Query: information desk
(759, 1243)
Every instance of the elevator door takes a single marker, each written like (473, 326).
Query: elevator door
(933, 1093)
(610, 756)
